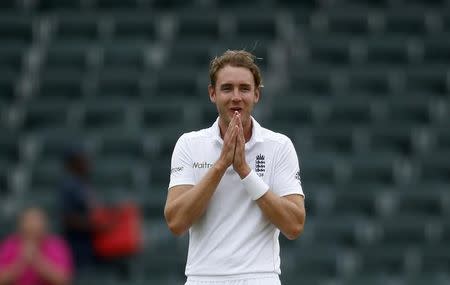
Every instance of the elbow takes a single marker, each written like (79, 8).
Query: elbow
(296, 229)
(175, 226)
(294, 232)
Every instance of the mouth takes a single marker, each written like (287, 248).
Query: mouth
(234, 109)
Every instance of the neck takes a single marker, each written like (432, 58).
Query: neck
(247, 125)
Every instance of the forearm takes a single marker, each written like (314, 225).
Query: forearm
(50, 273)
(186, 209)
(10, 274)
(288, 217)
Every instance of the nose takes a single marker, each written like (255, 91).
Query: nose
(236, 95)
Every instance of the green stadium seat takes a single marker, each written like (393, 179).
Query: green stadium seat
(368, 81)
(127, 147)
(387, 52)
(67, 57)
(352, 113)
(438, 278)
(443, 138)
(11, 57)
(113, 178)
(284, 111)
(60, 85)
(311, 80)
(59, 5)
(403, 230)
(256, 26)
(16, 28)
(332, 139)
(159, 173)
(427, 80)
(101, 114)
(116, 5)
(195, 27)
(7, 87)
(339, 231)
(121, 83)
(393, 138)
(361, 88)
(45, 179)
(45, 115)
(351, 20)
(405, 22)
(9, 148)
(318, 168)
(196, 53)
(4, 187)
(435, 168)
(160, 116)
(72, 28)
(127, 57)
(420, 200)
(131, 27)
(366, 168)
(435, 258)
(370, 279)
(327, 51)
(381, 260)
(316, 260)
(436, 51)
(171, 4)
(54, 144)
(258, 46)
(185, 78)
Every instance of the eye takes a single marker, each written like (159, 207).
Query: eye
(226, 88)
(245, 89)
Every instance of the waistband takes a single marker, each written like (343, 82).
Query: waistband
(245, 276)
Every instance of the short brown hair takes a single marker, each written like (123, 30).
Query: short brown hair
(235, 58)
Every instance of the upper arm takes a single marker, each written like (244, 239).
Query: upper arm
(181, 169)
(175, 192)
(286, 179)
(297, 200)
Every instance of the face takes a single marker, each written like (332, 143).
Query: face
(33, 224)
(234, 91)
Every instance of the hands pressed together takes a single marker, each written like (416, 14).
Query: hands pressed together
(233, 151)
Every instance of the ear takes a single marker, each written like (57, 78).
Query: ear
(212, 93)
(257, 95)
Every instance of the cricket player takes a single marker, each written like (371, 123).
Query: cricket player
(234, 186)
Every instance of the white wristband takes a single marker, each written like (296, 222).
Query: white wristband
(254, 185)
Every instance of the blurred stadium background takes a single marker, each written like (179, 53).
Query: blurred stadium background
(361, 87)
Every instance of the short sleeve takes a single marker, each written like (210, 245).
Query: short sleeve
(286, 179)
(181, 171)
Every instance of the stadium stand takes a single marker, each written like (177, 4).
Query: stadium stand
(361, 87)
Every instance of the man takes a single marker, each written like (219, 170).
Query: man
(33, 256)
(76, 204)
(235, 185)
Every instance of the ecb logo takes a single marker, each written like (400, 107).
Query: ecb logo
(260, 165)
(297, 177)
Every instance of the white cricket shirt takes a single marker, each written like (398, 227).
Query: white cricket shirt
(233, 236)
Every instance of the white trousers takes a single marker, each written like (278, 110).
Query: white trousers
(251, 279)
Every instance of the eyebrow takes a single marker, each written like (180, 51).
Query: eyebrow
(240, 85)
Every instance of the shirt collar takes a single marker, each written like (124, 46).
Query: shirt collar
(256, 132)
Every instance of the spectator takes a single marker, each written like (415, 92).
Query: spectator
(76, 203)
(33, 256)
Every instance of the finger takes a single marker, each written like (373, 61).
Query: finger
(232, 123)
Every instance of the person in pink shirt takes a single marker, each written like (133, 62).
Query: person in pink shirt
(32, 256)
